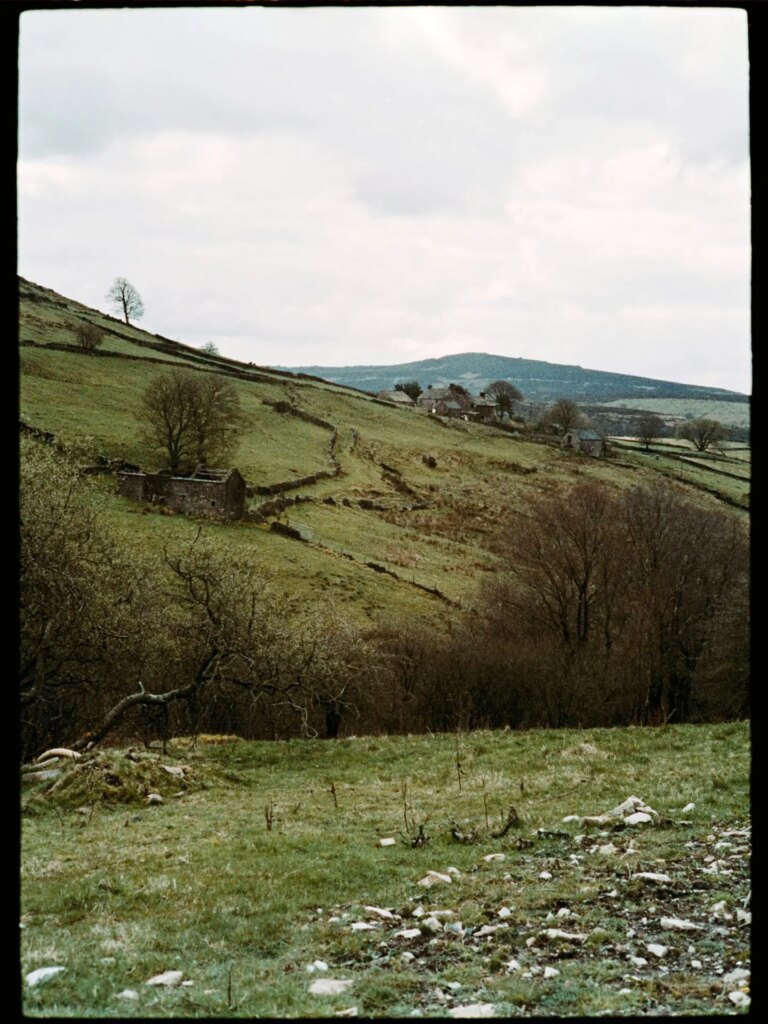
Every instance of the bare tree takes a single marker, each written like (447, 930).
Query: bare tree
(190, 417)
(703, 433)
(649, 427)
(506, 395)
(89, 337)
(126, 300)
(563, 415)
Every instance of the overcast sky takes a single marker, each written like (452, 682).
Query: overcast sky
(374, 185)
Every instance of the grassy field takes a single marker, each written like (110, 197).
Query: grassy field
(428, 524)
(730, 413)
(264, 856)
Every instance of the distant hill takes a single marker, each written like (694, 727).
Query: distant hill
(539, 381)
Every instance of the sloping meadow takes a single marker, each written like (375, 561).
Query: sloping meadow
(240, 879)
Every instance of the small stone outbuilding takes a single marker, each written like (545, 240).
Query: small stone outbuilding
(587, 441)
(218, 493)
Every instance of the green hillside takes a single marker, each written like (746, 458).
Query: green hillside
(428, 526)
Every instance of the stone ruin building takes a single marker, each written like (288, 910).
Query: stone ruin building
(218, 493)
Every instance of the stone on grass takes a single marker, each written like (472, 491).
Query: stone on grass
(351, 1011)
(362, 926)
(557, 934)
(736, 976)
(739, 998)
(434, 878)
(638, 818)
(388, 841)
(551, 972)
(168, 979)
(638, 961)
(329, 986)
(677, 924)
(504, 912)
(545, 875)
(657, 949)
(652, 876)
(475, 1010)
(154, 798)
(512, 965)
(128, 993)
(454, 928)
(317, 965)
(743, 916)
(494, 856)
(408, 933)
(42, 974)
(408, 957)
(453, 871)
(382, 912)
(607, 849)
(688, 808)
(174, 770)
(431, 925)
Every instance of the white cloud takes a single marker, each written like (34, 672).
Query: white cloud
(339, 185)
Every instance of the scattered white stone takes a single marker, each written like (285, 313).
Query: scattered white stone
(625, 991)
(408, 933)
(652, 876)
(505, 912)
(187, 984)
(558, 933)
(638, 818)
(42, 974)
(154, 798)
(739, 998)
(551, 972)
(688, 808)
(657, 949)
(743, 916)
(454, 928)
(512, 966)
(388, 841)
(431, 924)
(128, 993)
(612, 894)
(362, 926)
(107, 960)
(351, 1011)
(329, 986)
(434, 878)
(438, 994)
(638, 961)
(174, 770)
(418, 912)
(407, 957)
(696, 964)
(453, 871)
(334, 920)
(494, 856)
(677, 924)
(453, 985)
(168, 979)
(382, 912)
(487, 929)
(475, 1010)
(545, 875)
(571, 817)
(607, 849)
(564, 912)
(736, 976)
(720, 909)
(317, 965)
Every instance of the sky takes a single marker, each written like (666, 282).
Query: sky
(334, 186)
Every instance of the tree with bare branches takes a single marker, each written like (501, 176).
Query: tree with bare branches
(126, 300)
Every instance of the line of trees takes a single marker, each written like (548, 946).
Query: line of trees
(612, 608)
